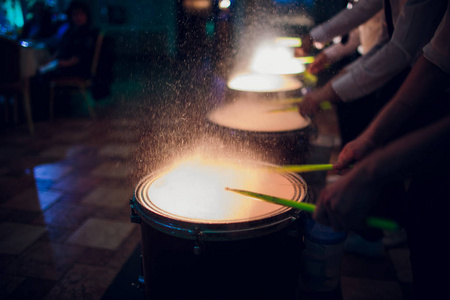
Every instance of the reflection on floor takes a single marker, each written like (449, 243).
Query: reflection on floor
(65, 231)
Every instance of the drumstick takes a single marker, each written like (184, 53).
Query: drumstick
(374, 222)
(306, 59)
(309, 78)
(305, 168)
(289, 100)
(285, 109)
(325, 105)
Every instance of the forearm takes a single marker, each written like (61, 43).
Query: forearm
(417, 91)
(414, 154)
(370, 73)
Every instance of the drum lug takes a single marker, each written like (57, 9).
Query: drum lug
(197, 246)
(141, 281)
(134, 217)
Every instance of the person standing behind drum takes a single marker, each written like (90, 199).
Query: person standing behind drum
(382, 69)
(362, 88)
(415, 22)
(366, 20)
(409, 139)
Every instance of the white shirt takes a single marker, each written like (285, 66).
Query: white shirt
(346, 20)
(372, 32)
(338, 51)
(415, 23)
(363, 38)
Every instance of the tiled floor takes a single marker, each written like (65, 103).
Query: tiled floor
(65, 231)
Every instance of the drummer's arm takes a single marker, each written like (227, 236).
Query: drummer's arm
(418, 153)
(413, 154)
(430, 74)
(311, 102)
(416, 93)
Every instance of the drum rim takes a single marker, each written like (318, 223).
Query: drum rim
(253, 132)
(242, 132)
(292, 76)
(223, 230)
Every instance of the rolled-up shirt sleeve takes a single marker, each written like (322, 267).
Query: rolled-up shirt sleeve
(346, 20)
(438, 50)
(414, 29)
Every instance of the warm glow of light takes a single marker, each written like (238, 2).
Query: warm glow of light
(195, 189)
(256, 82)
(276, 60)
(256, 115)
(224, 4)
(288, 41)
(197, 4)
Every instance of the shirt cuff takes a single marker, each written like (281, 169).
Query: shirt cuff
(319, 34)
(436, 57)
(345, 87)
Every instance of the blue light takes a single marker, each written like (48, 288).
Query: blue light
(285, 1)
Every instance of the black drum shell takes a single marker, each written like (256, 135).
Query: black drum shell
(258, 268)
(278, 147)
(261, 262)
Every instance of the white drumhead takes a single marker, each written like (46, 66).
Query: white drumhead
(194, 191)
(258, 82)
(257, 115)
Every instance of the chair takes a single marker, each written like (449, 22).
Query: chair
(82, 85)
(11, 81)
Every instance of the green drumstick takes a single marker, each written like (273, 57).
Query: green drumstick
(323, 105)
(374, 222)
(306, 59)
(285, 202)
(285, 109)
(305, 168)
(289, 101)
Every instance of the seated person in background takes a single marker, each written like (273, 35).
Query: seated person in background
(40, 27)
(74, 53)
(72, 58)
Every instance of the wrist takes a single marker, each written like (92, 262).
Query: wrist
(331, 94)
(372, 138)
(368, 172)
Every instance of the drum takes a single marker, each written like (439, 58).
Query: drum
(277, 134)
(199, 240)
(264, 86)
